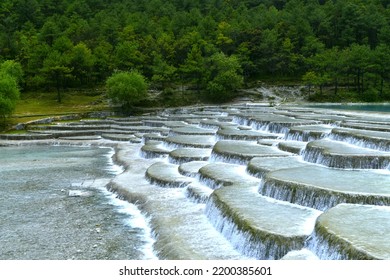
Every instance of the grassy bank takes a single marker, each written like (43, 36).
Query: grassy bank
(34, 105)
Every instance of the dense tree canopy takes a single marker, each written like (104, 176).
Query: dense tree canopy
(80, 43)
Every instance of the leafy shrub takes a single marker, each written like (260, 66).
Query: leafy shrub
(126, 88)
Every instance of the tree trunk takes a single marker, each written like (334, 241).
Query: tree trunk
(358, 80)
(381, 88)
(58, 86)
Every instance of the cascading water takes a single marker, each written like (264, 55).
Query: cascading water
(243, 241)
(377, 141)
(201, 203)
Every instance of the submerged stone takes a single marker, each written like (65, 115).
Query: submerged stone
(269, 142)
(81, 137)
(259, 166)
(153, 136)
(243, 151)
(166, 175)
(144, 129)
(125, 121)
(196, 141)
(164, 123)
(367, 126)
(182, 155)
(295, 147)
(354, 232)
(120, 137)
(191, 169)
(153, 149)
(216, 124)
(330, 118)
(322, 188)
(342, 155)
(191, 130)
(243, 134)
(225, 174)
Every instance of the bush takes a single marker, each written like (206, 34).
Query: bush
(9, 94)
(126, 88)
(13, 69)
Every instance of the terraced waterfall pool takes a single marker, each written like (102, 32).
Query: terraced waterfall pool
(244, 181)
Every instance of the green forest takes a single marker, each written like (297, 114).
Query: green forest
(212, 46)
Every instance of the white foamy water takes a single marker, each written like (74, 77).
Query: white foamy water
(134, 219)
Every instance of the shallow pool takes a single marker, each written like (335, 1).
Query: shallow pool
(54, 205)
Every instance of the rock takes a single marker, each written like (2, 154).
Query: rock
(78, 193)
(20, 126)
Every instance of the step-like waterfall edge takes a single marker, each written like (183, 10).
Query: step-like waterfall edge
(279, 128)
(213, 183)
(328, 246)
(197, 194)
(255, 171)
(233, 159)
(320, 156)
(247, 239)
(304, 136)
(300, 194)
(313, 197)
(361, 140)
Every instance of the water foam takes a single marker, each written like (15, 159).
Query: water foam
(134, 219)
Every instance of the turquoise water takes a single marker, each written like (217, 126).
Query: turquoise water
(356, 107)
(54, 205)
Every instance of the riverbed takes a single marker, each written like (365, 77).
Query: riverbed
(55, 205)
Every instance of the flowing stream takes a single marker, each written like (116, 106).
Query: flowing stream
(54, 205)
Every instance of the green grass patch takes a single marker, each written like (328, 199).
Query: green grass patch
(37, 105)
